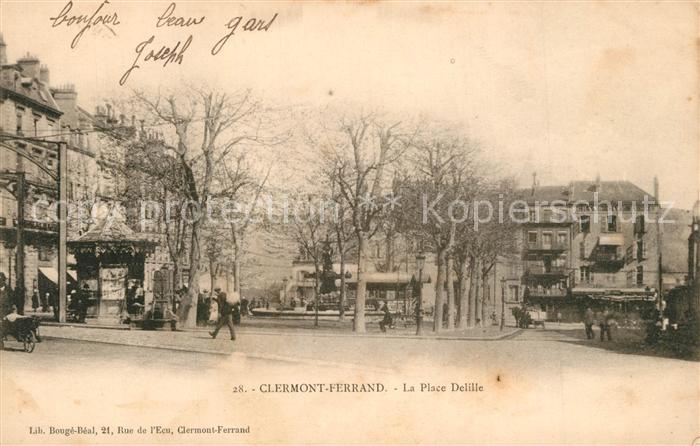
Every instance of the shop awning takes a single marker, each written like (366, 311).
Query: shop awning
(611, 239)
(52, 275)
(616, 294)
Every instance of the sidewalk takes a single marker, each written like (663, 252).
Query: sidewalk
(198, 340)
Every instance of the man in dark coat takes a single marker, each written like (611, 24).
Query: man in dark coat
(388, 321)
(225, 316)
(588, 322)
(5, 296)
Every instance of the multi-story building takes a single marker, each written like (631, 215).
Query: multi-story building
(596, 241)
(28, 114)
(34, 117)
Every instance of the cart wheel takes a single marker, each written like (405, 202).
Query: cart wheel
(29, 343)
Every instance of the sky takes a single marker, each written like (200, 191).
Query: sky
(567, 90)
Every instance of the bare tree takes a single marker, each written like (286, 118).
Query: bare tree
(440, 168)
(361, 150)
(206, 129)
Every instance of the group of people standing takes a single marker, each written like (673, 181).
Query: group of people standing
(604, 319)
(9, 298)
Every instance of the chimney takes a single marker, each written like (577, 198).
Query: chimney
(29, 65)
(534, 182)
(67, 100)
(3, 51)
(44, 74)
(656, 189)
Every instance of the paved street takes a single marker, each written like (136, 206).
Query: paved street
(534, 372)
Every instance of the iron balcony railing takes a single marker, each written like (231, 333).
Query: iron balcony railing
(542, 246)
(542, 270)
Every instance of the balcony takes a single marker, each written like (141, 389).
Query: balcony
(606, 260)
(546, 247)
(542, 270)
(545, 292)
(34, 225)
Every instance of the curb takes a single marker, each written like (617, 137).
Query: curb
(136, 344)
(78, 325)
(259, 356)
(310, 332)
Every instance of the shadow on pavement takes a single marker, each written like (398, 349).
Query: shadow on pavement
(630, 342)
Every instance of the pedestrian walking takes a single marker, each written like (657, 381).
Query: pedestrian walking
(45, 303)
(35, 298)
(388, 320)
(605, 321)
(225, 317)
(5, 296)
(588, 322)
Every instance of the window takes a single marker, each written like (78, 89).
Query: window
(585, 274)
(561, 238)
(585, 223)
(19, 121)
(533, 215)
(639, 225)
(44, 254)
(513, 293)
(611, 223)
(582, 250)
(640, 275)
(640, 250)
(532, 237)
(36, 126)
(547, 239)
(629, 254)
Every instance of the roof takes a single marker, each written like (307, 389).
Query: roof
(608, 190)
(110, 230)
(14, 83)
(612, 191)
(545, 193)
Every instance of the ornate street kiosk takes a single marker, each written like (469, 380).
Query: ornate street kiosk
(109, 257)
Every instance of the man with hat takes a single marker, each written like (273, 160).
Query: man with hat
(225, 316)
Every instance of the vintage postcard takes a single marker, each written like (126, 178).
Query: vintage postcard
(381, 222)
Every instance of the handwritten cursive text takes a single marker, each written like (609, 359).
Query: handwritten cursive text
(106, 19)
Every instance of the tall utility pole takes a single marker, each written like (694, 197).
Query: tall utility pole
(62, 228)
(659, 249)
(19, 245)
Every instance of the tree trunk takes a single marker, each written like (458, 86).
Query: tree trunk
(358, 324)
(477, 296)
(464, 297)
(236, 269)
(484, 297)
(450, 278)
(341, 304)
(389, 252)
(439, 289)
(212, 275)
(187, 313)
(177, 275)
(317, 291)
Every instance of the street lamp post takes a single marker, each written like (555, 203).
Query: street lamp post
(503, 303)
(284, 288)
(420, 263)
